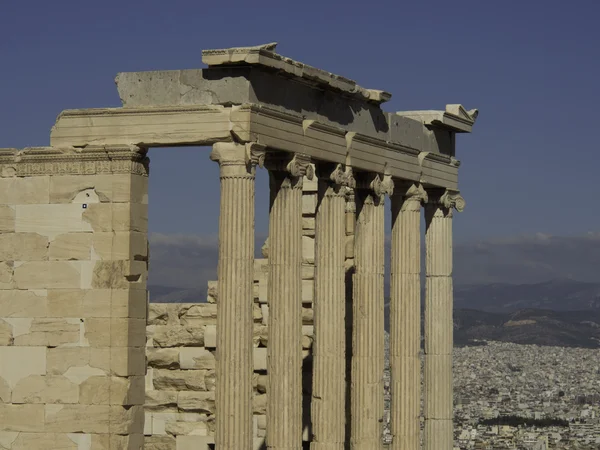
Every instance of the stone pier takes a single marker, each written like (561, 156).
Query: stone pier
(290, 354)
(405, 316)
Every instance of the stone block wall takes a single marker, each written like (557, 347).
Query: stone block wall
(73, 264)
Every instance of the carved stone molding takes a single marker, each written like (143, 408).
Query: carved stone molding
(300, 166)
(380, 185)
(38, 161)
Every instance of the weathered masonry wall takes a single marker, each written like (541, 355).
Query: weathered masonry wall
(180, 382)
(73, 264)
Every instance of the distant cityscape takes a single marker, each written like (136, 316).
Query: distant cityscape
(523, 397)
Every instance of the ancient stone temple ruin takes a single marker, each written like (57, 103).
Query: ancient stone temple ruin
(289, 351)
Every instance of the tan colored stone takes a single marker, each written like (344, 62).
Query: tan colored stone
(51, 332)
(66, 188)
(115, 332)
(158, 314)
(6, 336)
(161, 398)
(210, 336)
(44, 441)
(196, 358)
(5, 392)
(309, 203)
(260, 359)
(21, 417)
(48, 275)
(23, 247)
(176, 336)
(160, 442)
(196, 401)
(6, 275)
(45, 389)
(128, 361)
(259, 404)
(130, 217)
(21, 191)
(308, 250)
(20, 303)
(128, 303)
(199, 315)
(126, 419)
(120, 245)
(61, 360)
(77, 418)
(99, 217)
(95, 391)
(71, 246)
(164, 357)
(194, 442)
(187, 428)
(51, 220)
(192, 380)
(17, 363)
(7, 219)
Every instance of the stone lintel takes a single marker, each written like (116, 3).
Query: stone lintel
(408, 150)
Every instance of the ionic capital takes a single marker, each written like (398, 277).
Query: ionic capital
(380, 185)
(448, 199)
(238, 159)
(409, 191)
(300, 166)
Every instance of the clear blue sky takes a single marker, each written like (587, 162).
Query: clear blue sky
(531, 67)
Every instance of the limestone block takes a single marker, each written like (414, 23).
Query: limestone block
(5, 392)
(164, 399)
(131, 441)
(119, 275)
(176, 336)
(309, 203)
(7, 219)
(196, 358)
(308, 272)
(199, 315)
(63, 360)
(99, 217)
(259, 404)
(95, 391)
(261, 384)
(194, 442)
(310, 185)
(47, 275)
(263, 288)
(260, 358)
(45, 389)
(260, 335)
(158, 314)
(307, 316)
(77, 418)
(159, 442)
(308, 291)
(84, 303)
(22, 191)
(187, 428)
(7, 275)
(210, 336)
(128, 361)
(120, 245)
(179, 380)
(163, 357)
(45, 441)
(17, 363)
(20, 303)
(50, 332)
(127, 332)
(21, 417)
(51, 220)
(128, 303)
(71, 246)
(23, 247)
(265, 314)
(196, 401)
(308, 250)
(307, 342)
(130, 217)
(126, 419)
(6, 333)
(349, 249)
(113, 390)
(66, 188)
(160, 420)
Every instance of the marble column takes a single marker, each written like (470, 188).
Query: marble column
(234, 366)
(284, 361)
(367, 314)
(329, 348)
(405, 316)
(438, 319)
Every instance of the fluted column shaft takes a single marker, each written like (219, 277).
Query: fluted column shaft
(438, 409)
(234, 309)
(405, 316)
(284, 364)
(368, 319)
(329, 347)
